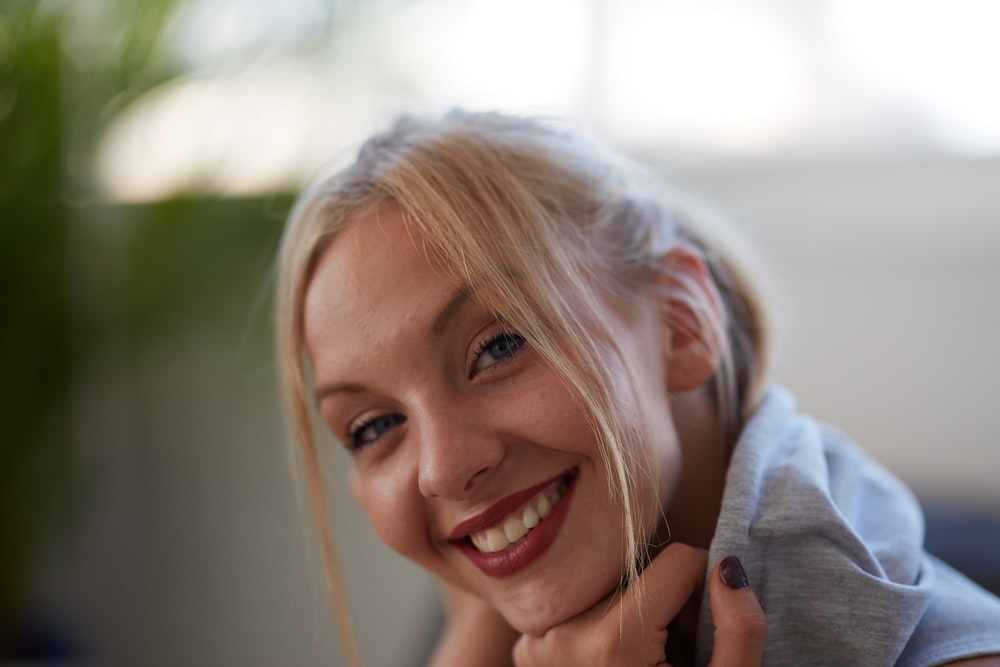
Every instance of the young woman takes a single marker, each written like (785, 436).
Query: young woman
(551, 380)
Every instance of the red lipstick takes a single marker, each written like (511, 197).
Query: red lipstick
(529, 548)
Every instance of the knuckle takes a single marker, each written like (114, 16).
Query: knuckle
(678, 548)
(602, 647)
(683, 551)
(684, 557)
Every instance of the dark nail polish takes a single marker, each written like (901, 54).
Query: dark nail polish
(732, 573)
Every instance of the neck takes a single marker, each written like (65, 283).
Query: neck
(694, 510)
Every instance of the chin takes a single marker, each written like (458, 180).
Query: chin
(536, 625)
(539, 612)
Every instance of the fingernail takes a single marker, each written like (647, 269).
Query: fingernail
(732, 573)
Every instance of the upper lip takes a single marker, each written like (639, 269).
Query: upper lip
(496, 512)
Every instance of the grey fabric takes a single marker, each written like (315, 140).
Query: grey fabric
(833, 545)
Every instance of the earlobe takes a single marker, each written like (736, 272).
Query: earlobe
(693, 320)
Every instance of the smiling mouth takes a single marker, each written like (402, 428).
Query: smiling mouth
(518, 523)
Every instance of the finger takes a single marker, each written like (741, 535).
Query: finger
(740, 623)
(521, 654)
(668, 582)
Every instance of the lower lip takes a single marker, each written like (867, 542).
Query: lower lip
(531, 547)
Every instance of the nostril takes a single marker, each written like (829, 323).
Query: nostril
(454, 459)
(471, 484)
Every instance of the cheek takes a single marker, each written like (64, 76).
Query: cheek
(397, 515)
(549, 416)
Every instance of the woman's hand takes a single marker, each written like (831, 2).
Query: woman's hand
(474, 634)
(634, 630)
(740, 623)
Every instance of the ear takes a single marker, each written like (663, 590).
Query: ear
(693, 319)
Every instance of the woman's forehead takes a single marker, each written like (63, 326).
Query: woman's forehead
(378, 270)
(366, 251)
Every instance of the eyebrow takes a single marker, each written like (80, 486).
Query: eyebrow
(450, 309)
(447, 313)
(338, 388)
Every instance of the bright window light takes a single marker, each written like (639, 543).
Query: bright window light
(938, 59)
(684, 78)
(483, 53)
(703, 75)
(220, 136)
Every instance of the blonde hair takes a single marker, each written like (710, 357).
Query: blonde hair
(547, 227)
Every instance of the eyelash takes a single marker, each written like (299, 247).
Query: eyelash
(514, 342)
(354, 437)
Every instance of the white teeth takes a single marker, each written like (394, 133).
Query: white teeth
(479, 541)
(517, 525)
(495, 540)
(544, 507)
(514, 529)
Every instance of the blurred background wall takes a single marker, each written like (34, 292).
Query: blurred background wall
(150, 150)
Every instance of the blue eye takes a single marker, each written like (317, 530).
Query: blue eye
(373, 429)
(496, 349)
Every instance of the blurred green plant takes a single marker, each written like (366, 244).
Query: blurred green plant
(53, 105)
(87, 280)
(66, 69)
(34, 342)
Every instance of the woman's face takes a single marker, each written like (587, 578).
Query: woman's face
(471, 456)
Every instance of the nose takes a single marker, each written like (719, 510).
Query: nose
(458, 453)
